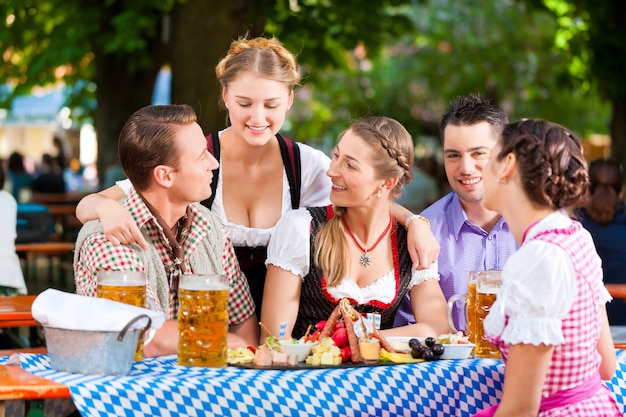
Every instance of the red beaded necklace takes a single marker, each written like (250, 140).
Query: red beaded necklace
(365, 259)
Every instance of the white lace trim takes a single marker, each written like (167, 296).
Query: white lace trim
(383, 289)
(533, 330)
(287, 266)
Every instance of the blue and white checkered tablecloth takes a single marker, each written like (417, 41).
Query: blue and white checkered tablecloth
(161, 387)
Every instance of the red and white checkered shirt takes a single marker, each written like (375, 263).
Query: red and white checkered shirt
(97, 254)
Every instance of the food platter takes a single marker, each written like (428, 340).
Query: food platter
(303, 365)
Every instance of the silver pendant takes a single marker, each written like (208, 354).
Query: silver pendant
(365, 260)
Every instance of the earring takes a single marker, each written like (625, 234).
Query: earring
(500, 181)
(380, 193)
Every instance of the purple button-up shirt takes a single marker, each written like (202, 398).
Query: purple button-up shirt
(465, 247)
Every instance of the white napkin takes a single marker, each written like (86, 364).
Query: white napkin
(65, 310)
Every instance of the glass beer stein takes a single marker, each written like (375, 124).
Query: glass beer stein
(128, 287)
(203, 320)
(488, 285)
(469, 316)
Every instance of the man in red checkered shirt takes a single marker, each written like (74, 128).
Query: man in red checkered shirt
(163, 151)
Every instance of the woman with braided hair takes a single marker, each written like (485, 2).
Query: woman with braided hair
(353, 248)
(549, 319)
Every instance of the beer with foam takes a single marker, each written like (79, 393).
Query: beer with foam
(488, 284)
(203, 320)
(128, 287)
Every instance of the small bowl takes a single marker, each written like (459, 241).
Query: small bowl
(302, 350)
(457, 351)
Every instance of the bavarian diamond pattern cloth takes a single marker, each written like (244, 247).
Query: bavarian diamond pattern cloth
(159, 387)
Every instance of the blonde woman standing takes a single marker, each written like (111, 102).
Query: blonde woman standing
(254, 185)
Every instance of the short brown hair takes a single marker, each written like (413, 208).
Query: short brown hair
(147, 140)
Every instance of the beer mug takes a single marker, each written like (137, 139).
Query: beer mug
(203, 320)
(128, 287)
(469, 316)
(488, 285)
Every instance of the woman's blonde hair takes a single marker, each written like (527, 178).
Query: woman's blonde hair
(391, 147)
(266, 57)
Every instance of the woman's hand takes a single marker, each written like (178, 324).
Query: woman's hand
(422, 245)
(118, 224)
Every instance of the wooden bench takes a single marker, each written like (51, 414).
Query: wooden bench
(15, 311)
(50, 250)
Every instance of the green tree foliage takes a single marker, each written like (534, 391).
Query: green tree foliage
(593, 34)
(501, 49)
(116, 48)
(402, 58)
(110, 50)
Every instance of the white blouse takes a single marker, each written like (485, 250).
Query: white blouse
(289, 249)
(538, 290)
(11, 275)
(315, 192)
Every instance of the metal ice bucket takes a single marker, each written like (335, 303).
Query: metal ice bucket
(94, 352)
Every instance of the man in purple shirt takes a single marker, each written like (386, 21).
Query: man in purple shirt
(472, 238)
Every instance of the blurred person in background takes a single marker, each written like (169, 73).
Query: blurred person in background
(19, 177)
(61, 156)
(604, 216)
(50, 178)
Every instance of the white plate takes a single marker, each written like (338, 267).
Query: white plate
(302, 350)
(456, 351)
(401, 343)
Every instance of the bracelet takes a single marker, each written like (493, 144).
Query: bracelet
(413, 217)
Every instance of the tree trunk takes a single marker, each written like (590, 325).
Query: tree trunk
(202, 32)
(618, 132)
(115, 103)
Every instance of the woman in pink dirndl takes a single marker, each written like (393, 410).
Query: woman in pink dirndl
(549, 319)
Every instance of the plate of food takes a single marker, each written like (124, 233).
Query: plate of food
(455, 345)
(447, 346)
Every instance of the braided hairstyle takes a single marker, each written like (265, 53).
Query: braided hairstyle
(550, 159)
(266, 57)
(392, 156)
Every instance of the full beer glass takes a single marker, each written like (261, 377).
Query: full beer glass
(203, 320)
(128, 287)
(469, 318)
(488, 285)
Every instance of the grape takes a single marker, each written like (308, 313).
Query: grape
(437, 349)
(429, 355)
(414, 342)
(430, 341)
(417, 351)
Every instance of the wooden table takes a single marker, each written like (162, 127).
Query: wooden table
(15, 311)
(617, 290)
(18, 385)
